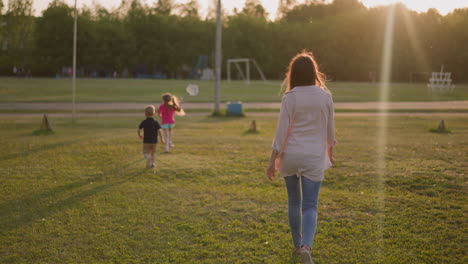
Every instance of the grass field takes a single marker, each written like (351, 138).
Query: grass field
(83, 196)
(130, 90)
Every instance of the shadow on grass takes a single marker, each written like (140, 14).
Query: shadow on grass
(21, 212)
(222, 119)
(251, 132)
(294, 259)
(38, 149)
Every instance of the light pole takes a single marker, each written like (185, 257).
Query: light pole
(217, 59)
(74, 63)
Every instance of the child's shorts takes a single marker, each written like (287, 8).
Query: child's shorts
(149, 148)
(168, 126)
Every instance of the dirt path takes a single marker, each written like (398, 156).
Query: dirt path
(250, 114)
(452, 105)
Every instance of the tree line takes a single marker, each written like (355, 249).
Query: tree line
(345, 36)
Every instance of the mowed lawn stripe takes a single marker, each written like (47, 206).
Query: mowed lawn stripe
(150, 91)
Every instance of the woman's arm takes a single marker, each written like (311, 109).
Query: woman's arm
(330, 154)
(283, 124)
(331, 141)
(280, 136)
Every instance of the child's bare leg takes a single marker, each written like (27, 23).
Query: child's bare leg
(148, 160)
(146, 155)
(153, 158)
(171, 133)
(166, 139)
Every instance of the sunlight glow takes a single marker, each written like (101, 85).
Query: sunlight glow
(382, 119)
(443, 6)
(271, 6)
(415, 42)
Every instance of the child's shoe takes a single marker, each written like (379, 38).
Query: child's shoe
(148, 161)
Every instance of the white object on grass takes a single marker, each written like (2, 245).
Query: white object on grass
(441, 81)
(207, 74)
(192, 89)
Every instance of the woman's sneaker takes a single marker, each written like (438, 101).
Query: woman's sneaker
(305, 255)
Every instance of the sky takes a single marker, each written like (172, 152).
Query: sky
(443, 6)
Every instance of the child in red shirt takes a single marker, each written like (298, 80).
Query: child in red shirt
(167, 109)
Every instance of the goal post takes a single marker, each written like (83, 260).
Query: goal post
(237, 63)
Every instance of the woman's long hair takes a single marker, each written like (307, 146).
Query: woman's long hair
(303, 70)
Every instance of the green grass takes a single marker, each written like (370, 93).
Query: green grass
(83, 195)
(129, 90)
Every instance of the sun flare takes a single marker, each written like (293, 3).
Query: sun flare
(271, 6)
(443, 6)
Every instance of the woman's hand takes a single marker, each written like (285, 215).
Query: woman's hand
(270, 171)
(330, 155)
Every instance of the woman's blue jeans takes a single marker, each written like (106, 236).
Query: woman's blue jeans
(302, 209)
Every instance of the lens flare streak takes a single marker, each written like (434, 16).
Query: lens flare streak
(382, 120)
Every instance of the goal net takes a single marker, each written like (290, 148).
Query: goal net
(243, 69)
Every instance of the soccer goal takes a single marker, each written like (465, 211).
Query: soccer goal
(243, 75)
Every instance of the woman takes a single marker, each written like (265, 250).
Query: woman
(303, 147)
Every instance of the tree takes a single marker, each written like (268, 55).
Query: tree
(254, 8)
(251, 36)
(127, 5)
(342, 6)
(189, 9)
(1, 23)
(306, 12)
(346, 37)
(164, 7)
(453, 51)
(17, 27)
(284, 6)
(54, 36)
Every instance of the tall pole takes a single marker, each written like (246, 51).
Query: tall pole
(218, 58)
(247, 69)
(74, 64)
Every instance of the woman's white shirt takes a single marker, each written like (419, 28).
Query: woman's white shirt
(310, 113)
